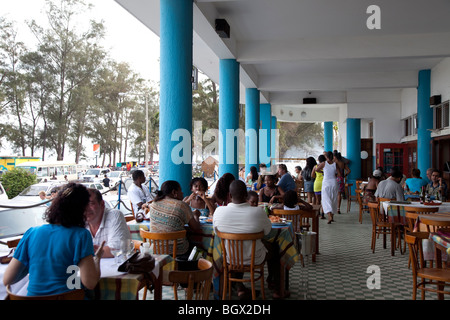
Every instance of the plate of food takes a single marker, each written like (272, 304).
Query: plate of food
(433, 203)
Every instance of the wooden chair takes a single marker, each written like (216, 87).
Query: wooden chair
(350, 197)
(411, 214)
(433, 225)
(362, 207)
(70, 295)
(298, 223)
(201, 278)
(13, 243)
(381, 226)
(429, 276)
(130, 218)
(163, 243)
(233, 260)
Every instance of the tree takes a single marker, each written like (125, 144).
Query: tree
(305, 136)
(72, 58)
(16, 180)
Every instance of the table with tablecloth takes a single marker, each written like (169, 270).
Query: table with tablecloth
(283, 235)
(113, 285)
(396, 211)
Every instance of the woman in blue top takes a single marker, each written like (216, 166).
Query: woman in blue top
(414, 184)
(46, 252)
(198, 200)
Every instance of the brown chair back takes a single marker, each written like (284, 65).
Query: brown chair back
(298, 221)
(233, 248)
(163, 241)
(432, 224)
(70, 295)
(198, 281)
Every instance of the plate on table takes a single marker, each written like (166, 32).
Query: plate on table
(433, 203)
(279, 224)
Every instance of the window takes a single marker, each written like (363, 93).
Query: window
(441, 115)
(410, 125)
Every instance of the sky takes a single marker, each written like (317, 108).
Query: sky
(126, 38)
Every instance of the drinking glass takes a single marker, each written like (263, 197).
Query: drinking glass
(116, 250)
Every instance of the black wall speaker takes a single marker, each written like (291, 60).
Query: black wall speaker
(222, 28)
(434, 100)
(309, 100)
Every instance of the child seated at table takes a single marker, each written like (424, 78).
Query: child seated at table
(198, 200)
(252, 198)
(291, 201)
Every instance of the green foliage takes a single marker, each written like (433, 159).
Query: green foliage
(14, 181)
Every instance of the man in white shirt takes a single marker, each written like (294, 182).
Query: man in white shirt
(105, 224)
(239, 217)
(138, 193)
(391, 187)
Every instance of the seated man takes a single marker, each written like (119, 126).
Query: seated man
(240, 217)
(391, 187)
(437, 188)
(138, 193)
(105, 224)
(286, 182)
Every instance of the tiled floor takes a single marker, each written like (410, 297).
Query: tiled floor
(341, 269)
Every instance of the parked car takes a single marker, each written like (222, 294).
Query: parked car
(3, 195)
(116, 176)
(95, 173)
(31, 193)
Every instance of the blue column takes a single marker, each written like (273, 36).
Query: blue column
(228, 117)
(251, 128)
(265, 115)
(328, 136)
(175, 117)
(273, 141)
(425, 122)
(354, 150)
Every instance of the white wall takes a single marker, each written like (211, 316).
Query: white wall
(409, 102)
(440, 79)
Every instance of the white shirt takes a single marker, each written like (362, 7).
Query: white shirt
(243, 218)
(390, 189)
(113, 227)
(136, 195)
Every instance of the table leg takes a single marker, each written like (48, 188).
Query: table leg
(158, 285)
(393, 231)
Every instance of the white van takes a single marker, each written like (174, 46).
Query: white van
(95, 173)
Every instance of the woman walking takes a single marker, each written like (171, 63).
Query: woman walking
(329, 186)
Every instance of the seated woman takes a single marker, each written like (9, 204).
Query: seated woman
(221, 196)
(370, 188)
(198, 201)
(258, 185)
(45, 252)
(168, 213)
(271, 193)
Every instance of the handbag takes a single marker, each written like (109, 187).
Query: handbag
(140, 263)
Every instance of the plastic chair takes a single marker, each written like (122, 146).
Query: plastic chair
(163, 243)
(381, 226)
(430, 276)
(70, 295)
(201, 278)
(233, 260)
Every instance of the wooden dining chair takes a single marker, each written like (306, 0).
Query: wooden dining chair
(430, 277)
(432, 224)
(382, 227)
(70, 295)
(363, 208)
(350, 197)
(163, 243)
(233, 261)
(198, 281)
(298, 224)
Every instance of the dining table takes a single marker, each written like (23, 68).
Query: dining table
(113, 284)
(282, 234)
(395, 210)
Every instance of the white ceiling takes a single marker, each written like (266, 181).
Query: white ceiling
(288, 48)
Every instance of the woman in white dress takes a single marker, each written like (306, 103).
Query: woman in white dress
(329, 186)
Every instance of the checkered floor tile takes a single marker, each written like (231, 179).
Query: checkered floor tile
(345, 265)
